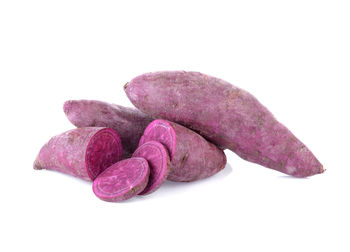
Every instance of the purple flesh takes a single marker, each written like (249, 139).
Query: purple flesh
(158, 159)
(104, 149)
(83, 152)
(122, 180)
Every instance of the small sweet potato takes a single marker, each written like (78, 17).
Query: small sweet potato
(128, 122)
(83, 152)
(226, 115)
(192, 157)
(159, 162)
(122, 180)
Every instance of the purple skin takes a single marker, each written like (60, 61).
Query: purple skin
(123, 180)
(192, 157)
(83, 152)
(128, 122)
(159, 162)
(226, 115)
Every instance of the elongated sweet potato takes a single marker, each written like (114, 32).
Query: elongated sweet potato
(128, 122)
(192, 157)
(83, 152)
(122, 180)
(159, 162)
(226, 115)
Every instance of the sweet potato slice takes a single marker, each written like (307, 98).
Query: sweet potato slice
(158, 159)
(122, 180)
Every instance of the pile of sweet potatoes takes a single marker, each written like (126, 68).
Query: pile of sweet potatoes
(182, 124)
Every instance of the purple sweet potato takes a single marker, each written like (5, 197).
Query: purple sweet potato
(128, 122)
(159, 162)
(226, 115)
(83, 152)
(122, 180)
(192, 157)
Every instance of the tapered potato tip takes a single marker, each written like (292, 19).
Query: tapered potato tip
(322, 169)
(37, 165)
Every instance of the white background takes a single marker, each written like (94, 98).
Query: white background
(294, 56)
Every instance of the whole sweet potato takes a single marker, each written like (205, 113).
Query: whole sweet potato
(83, 152)
(128, 122)
(191, 156)
(226, 115)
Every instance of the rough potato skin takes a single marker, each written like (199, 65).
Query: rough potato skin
(83, 152)
(226, 115)
(192, 157)
(128, 122)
